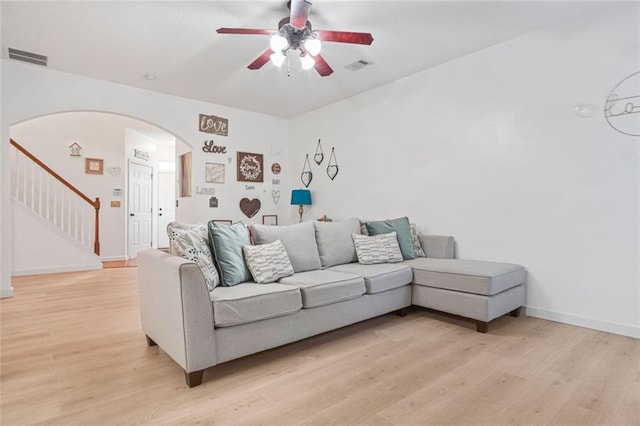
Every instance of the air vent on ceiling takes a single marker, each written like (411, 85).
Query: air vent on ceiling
(358, 65)
(32, 58)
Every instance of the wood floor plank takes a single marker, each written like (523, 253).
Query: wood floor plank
(73, 353)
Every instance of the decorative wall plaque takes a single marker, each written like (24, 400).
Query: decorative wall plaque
(214, 173)
(250, 167)
(213, 202)
(94, 166)
(143, 155)
(250, 207)
(275, 168)
(213, 124)
(75, 150)
(210, 146)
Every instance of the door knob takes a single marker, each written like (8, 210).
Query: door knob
(132, 214)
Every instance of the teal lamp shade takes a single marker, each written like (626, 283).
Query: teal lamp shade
(300, 197)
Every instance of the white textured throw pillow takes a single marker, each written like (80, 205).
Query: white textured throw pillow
(193, 244)
(267, 262)
(382, 248)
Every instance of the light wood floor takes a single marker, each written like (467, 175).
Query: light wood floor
(73, 353)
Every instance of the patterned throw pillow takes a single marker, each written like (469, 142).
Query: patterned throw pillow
(381, 248)
(268, 262)
(417, 247)
(193, 245)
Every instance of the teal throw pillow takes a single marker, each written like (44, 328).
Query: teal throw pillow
(227, 242)
(401, 227)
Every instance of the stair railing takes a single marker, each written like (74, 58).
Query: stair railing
(53, 198)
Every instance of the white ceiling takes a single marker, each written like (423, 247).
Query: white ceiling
(176, 41)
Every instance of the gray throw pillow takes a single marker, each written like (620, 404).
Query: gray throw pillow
(417, 247)
(268, 262)
(381, 248)
(335, 244)
(401, 227)
(227, 242)
(299, 240)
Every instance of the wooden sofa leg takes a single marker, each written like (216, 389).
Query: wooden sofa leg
(150, 341)
(482, 327)
(401, 312)
(194, 378)
(516, 312)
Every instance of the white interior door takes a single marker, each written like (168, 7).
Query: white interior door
(140, 190)
(166, 205)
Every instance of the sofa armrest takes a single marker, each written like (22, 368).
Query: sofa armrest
(438, 246)
(176, 309)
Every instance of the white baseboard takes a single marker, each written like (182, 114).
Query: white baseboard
(6, 292)
(609, 327)
(56, 270)
(112, 258)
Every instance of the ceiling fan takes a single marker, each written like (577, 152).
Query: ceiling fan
(296, 33)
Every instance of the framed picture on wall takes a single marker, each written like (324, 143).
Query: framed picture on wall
(270, 219)
(214, 173)
(250, 167)
(93, 166)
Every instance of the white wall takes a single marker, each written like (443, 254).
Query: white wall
(488, 149)
(30, 91)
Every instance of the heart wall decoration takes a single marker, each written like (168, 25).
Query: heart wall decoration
(250, 207)
(275, 194)
(332, 168)
(114, 171)
(306, 176)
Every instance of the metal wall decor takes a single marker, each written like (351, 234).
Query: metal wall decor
(621, 105)
(306, 176)
(319, 155)
(332, 167)
(250, 167)
(210, 146)
(275, 194)
(250, 207)
(75, 150)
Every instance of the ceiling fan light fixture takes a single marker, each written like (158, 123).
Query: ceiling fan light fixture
(277, 58)
(278, 43)
(312, 45)
(307, 61)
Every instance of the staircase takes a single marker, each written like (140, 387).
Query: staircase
(53, 200)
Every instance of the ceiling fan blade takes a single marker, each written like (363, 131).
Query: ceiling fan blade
(261, 60)
(299, 13)
(322, 66)
(243, 31)
(345, 37)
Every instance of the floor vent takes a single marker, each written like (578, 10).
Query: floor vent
(358, 65)
(32, 58)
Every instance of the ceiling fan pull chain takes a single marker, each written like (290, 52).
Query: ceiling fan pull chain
(306, 176)
(319, 156)
(288, 66)
(332, 167)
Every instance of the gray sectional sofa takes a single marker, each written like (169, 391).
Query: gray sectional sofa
(329, 289)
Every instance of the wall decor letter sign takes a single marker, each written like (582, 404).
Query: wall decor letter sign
(210, 146)
(143, 155)
(213, 124)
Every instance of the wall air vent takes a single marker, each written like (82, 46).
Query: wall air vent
(32, 58)
(358, 65)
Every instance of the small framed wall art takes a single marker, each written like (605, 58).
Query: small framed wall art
(94, 166)
(214, 173)
(250, 167)
(270, 219)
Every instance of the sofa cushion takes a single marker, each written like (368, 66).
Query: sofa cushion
(380, 277)
(249, 302)
(335, 245)
(402, 227)
(298, 239)
(267, 262)
(325, 287)
(470, 276)
(192, 243)
(417, 244)
(381, 248)
(227, 242)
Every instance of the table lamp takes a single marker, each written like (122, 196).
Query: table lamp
(300, 197)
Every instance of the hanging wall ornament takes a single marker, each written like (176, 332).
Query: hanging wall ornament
(306, 176)
(275, 194)
(332, 168)
(319, 156)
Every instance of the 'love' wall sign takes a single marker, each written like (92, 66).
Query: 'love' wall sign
(213, 124)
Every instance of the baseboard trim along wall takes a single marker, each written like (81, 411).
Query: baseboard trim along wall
(6, 292)
(595, 324)
(112, 258)
(77, 268)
